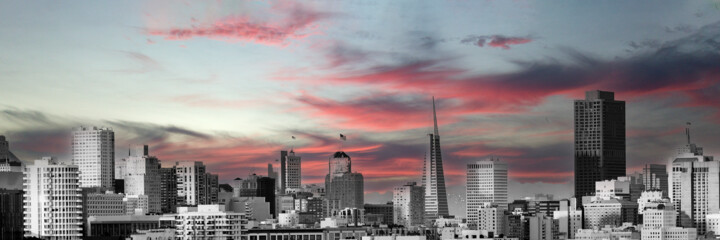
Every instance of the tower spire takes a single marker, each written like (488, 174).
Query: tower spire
(435, 118)
(687, 132)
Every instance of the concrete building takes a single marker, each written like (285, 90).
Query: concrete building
(670, 233)
(312, 210)
(11, 214)
(599, 140)
(489, 219)
(385, 211)
(256, 186)
(655, 177)
(695, 189)
(659, 215)
(168, 190)
(93, 151)
(613, 212)
(409, 205)
(212, 188)
(486, 184)
(541, 227)
(623, 233)
(289, 218)
(103, 204)
(52, 200)
(191, 183)
(209, 222)
(713, 223)
(343, 189)
(433, 178)
(136, 204)
(123, 226)
(120, 169)
(142, 176)
(569, 218)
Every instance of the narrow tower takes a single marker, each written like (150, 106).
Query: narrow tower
(433, 176)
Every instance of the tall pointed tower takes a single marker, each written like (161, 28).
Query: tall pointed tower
(433, 177)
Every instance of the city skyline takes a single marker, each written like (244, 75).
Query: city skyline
(176, 78)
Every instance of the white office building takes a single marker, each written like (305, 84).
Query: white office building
(191, 183)
(409, 205)
(209, 222)
(142, 177)
(136, 204)
(52, 200)
(695, 189)
(93, 151)
(486, 183)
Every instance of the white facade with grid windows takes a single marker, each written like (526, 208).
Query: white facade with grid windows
(52, 200)
(93, 151)
(486, 184)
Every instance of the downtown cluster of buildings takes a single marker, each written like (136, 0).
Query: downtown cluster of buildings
(95, 196)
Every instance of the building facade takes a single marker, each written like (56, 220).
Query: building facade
(191, 183)
(613, 212)
(433, 178)
(486, 184)
(168, 190)
(142, 177)
(409, 205)
(343, 189)
(93, 151)
(655, 177)
(53, 200)
(209, 222)
(384, 210)
(599, 140)
(695, 189)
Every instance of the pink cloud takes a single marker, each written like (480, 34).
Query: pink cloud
(295, 24)
(498, 41)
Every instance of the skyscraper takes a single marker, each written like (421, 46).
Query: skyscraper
(409, 205)
(93, 151)
(343, 188)
(655, 177)
(293, 173)
(290, 172)
(695, 189)
(168, 190)
(599, 140)
(53, 200)
(433, 178)
(487, 185)
(142, 176)
(8, 161)
(191, 183)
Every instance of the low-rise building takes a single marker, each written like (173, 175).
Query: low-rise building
(208, 221)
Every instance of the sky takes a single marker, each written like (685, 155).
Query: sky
(230, 82)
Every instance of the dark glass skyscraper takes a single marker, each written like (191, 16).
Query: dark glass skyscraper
(599, 140)
(433, 178)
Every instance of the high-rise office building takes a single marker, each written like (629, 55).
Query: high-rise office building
(655, 177)
(212, 188)
(343, 189)
(293, 172)
(11, 214)
(486, 184)
(8, 161)
(53, 200)
(409, 205)
(142, 176)
(290, 170)
(191, 183)
(599, 140)
(256, 186)
(168, 190)
(433, 178)
(695, 189)
(93, 151)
